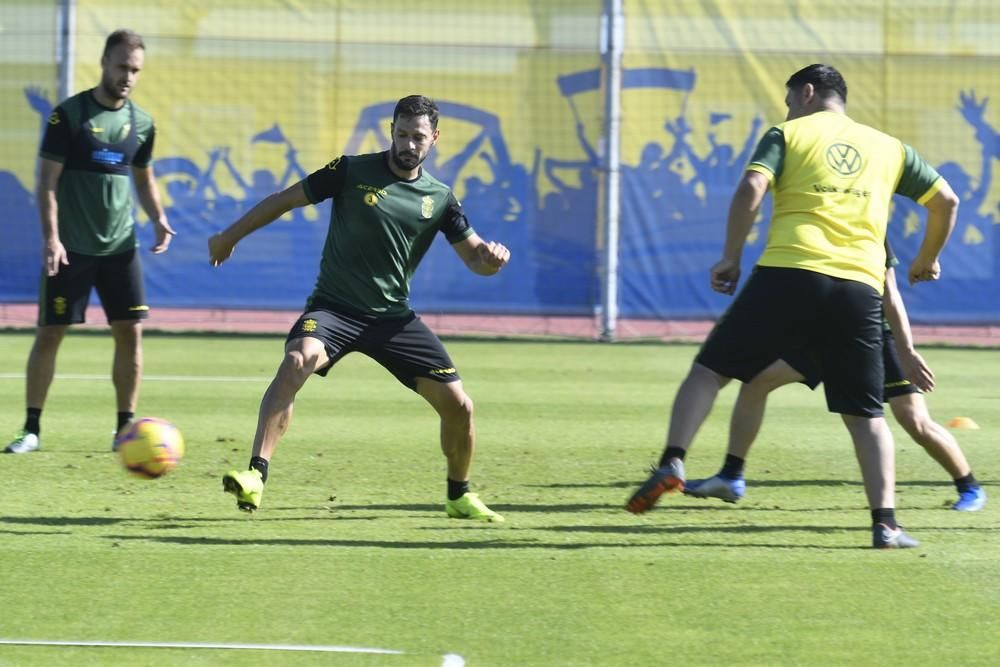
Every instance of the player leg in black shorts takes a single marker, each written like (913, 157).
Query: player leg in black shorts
(911, 412)
(62, 301)
(895, 383)
(410, 351)
(405, 346)
(120, 287)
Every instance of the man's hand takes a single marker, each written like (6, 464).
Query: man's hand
(53, 257)
(164, 232)
(922, 270)
(916, 370)
(219, 249)
(725, 275)
(493, 255)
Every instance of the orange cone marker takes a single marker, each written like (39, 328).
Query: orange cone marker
(963, 423)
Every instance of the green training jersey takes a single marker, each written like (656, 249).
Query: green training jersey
(97, 146)
(380, 229)
(833, 181)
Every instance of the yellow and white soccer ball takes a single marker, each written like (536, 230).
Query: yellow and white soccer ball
(150, 447)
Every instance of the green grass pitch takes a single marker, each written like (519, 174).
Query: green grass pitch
(352, 546)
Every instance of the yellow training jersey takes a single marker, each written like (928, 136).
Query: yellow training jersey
(832, 180)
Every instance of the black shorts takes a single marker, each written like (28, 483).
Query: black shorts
(405, 346)
(63, 298)
(832, 322)
(896, 383)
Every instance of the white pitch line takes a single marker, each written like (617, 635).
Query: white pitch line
(153, 378)
(244, 647)
(450, 659)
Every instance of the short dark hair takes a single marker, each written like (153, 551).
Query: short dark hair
(412, 106)
(825, 79)
(123, 37)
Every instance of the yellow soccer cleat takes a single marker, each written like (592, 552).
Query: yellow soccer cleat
(246, 485)
(469, 506)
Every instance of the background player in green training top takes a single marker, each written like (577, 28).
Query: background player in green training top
(92, 142)
(387, 211)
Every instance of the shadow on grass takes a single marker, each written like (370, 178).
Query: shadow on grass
(459, 545)
(62, 520)
(439, 508)
(754, 483)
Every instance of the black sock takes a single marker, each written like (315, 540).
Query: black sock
(886, 515)
(966, 483)
(259, 464)
(457, 489)
(732, 468)
(124, 418)
(32, 423)
(672, 453)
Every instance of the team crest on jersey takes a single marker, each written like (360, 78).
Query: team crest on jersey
(427, 207)
(54, 118)
(123, 132)
(371, 198)
(844, 159)
(309, 326)
(59, 305)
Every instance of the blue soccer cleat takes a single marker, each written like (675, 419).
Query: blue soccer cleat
(970, 500)
(723, 488)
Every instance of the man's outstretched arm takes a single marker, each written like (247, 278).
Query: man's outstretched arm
(266, 211)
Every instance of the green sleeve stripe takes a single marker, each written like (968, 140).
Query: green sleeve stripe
(762, 169)
(919, 180)
(466, 233)
(770, 153)
(933, 191)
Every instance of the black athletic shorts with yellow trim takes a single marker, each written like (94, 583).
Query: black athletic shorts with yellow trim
(896, 383)
(405, 346)
(63, 298)
(833, 322)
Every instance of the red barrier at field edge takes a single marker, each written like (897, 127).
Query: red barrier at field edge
(224, 320)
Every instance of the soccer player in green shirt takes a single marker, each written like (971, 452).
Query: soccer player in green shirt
(387, 211)
(818, 284)
(93, 142)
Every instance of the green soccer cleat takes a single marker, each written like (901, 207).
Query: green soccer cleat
(469, 506)
(246, 485)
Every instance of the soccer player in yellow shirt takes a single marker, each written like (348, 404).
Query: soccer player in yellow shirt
(907, 377)
(818, 284)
